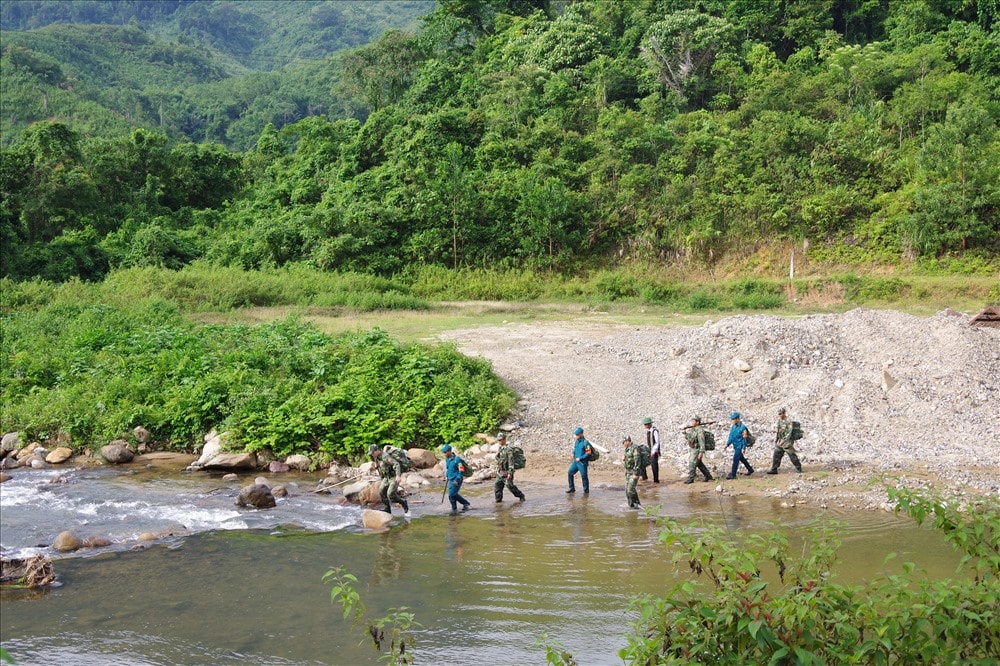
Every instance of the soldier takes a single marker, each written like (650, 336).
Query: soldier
(632, 465)
(392, 473)
(738, 435)
(695, 436)
(783, 444)
(454, 466)
(581, 458)
(505, 470)
(653, 442)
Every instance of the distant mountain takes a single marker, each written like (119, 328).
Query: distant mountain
(203, 71)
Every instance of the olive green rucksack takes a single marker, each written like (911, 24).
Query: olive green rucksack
(797, 433)
(709, 440)
(517, 460)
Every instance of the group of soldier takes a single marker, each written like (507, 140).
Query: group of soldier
(637, 458)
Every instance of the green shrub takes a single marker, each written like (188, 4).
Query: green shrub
(766, 602)
(858, 288)
(701, 300)
(97, 371)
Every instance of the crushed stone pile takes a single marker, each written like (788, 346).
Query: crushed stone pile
(881, 388)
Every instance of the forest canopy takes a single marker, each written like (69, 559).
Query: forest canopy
(526, 133)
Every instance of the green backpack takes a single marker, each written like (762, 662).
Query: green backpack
(517, 459)
(399, 455)
(709, 440)
(464, 468)
(643, 452)
(751, 439)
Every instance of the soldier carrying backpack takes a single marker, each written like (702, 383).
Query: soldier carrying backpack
(509, 459)
(787, 432)
(391, 470)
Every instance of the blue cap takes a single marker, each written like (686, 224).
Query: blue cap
(446, 448)
(734, 415)
(578, 431)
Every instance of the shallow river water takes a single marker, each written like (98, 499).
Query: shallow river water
(245, 587)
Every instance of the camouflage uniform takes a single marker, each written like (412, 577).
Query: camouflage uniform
(696, 441)
(388, 490)
(632, 474)
(783, 444)
(505, 473)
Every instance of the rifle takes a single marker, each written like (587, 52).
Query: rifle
(700, 424)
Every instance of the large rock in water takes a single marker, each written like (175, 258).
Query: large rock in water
(257, 496)
(117, 452)
(59, 455)
(67, 542)
(375, 520)
(232, 461)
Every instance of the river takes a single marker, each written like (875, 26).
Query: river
(244, 586)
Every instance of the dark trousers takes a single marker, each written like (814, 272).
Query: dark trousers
(654, 465)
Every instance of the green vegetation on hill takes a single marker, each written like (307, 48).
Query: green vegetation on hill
(559, 137)
(200, 71)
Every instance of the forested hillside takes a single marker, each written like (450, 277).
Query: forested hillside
(560, 135)
(195, 70)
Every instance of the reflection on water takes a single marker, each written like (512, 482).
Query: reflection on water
(484, 586)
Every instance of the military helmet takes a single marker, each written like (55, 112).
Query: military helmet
(501, 435)
(372, 448)
(696, 418)
(781, 411)
(627, 438)
(647, 421)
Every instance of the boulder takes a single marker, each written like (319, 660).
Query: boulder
(276, 467)
(66, 542)
(232, 476)
(96, 542)
(10, 442)
(232, 461)
(59, 455)
(261, 481)
(422, 458)
(10, 462)
(279, 491)
(117, 452)
(370, 495)
(299, 462)
(25, 453)
(211, 449)
(141, 434)
(256, 496)
(352, 490)
(375, 520)
(5, 477)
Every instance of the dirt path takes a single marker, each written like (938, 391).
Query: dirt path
(879, 393)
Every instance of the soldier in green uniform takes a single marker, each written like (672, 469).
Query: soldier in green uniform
(505, 471)
(783, 444)
(695, 436)
(391, 473)
(632, 473)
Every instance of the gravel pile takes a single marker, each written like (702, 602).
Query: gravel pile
(879, 390)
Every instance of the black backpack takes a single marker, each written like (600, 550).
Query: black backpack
(709, 440)
(797, 433)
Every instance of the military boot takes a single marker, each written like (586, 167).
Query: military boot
(795, 461)
(775, 461)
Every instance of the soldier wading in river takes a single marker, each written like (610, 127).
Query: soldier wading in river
(632, 465)
(505, 470)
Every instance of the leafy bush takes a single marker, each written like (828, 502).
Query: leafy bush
(768, 603)
(97, 371)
